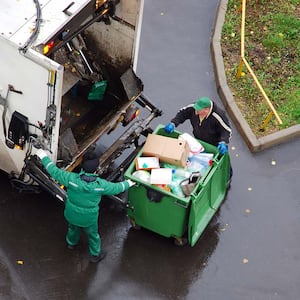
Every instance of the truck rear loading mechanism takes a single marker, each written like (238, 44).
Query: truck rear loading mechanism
(67, 81)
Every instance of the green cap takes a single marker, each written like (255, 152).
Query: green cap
(202, 103)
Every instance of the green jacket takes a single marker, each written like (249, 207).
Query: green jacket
(83, 198)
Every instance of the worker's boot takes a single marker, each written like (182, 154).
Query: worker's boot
(71, 247)
(95, 259)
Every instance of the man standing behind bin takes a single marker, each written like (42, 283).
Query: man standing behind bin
(84, 192)
(210, 123)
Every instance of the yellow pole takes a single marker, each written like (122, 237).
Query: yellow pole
(243, 9)
(243, 29)
(240, 68)
(262, 91)
(266, 121)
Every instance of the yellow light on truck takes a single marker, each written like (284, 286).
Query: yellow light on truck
(48, 47)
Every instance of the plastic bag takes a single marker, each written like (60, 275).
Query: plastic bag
(194, 144)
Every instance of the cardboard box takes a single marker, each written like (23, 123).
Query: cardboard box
(146, 163)
(169, 150)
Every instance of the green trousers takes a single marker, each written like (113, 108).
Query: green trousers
(73, 236)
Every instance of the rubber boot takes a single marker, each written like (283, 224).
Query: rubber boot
(96, 259)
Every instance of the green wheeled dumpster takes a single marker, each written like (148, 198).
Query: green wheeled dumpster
(172, 216)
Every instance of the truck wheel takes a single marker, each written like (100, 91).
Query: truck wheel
(180, 241)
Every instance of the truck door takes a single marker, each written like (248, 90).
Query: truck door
(30, 85)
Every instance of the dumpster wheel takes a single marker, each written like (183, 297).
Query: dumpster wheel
(134, 225)
(180, 241)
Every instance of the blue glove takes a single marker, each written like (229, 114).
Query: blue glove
(222, 147)
(169, 128)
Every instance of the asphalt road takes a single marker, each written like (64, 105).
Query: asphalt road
(249, 251)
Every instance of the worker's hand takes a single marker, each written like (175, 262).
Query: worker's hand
(130, 182)
(169, 128)
(222, 147)
(40, 153)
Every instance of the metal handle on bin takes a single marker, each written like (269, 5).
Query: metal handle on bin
(181, 204)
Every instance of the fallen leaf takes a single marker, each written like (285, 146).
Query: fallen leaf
(245, 260)
(20, 262)
(224, 227)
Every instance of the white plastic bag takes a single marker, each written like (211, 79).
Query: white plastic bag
(194, 144)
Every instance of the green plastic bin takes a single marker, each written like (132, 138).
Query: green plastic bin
(181, 218)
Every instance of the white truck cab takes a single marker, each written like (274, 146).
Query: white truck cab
(67, 78)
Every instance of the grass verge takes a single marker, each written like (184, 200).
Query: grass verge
(272, 49)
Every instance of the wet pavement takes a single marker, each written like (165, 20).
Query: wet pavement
(250, 250)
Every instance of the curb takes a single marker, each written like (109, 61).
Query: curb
(254, 144)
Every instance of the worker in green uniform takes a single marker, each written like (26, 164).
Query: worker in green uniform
(84, 192)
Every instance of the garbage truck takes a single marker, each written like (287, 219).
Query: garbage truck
(68, 80)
